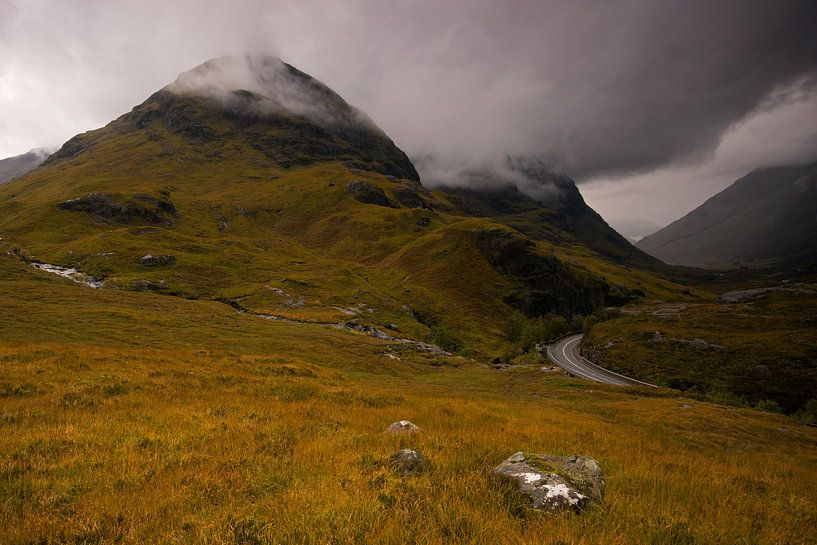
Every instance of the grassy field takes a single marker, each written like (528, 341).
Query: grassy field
(140, 418)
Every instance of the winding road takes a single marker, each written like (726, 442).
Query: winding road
(565, 354)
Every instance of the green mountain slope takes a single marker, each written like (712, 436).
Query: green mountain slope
(259, 187)
(768, 217)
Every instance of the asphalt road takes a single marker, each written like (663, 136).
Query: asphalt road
(565, 354)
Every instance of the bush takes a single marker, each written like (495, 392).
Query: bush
(769, 405)
(808, 413)
(526, 334)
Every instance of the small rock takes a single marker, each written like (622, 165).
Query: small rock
(403, 426)
(554, 483)
(157, 260)
(408, 462)
(140, 284)
(684, 406)
(423, 222)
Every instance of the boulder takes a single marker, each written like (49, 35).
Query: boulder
(408, 462)
(157, 260)
(554, 483)
(403, 426)
(369, 194)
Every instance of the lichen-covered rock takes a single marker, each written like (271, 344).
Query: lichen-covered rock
(408, 462)
(157, 260)
(403, 426)
(554, 483)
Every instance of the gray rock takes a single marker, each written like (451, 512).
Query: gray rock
(403, 426)
(157, 260)
(554, 483)
(408, 462)
(140, 284)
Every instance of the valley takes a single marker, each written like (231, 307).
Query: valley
(215, 306)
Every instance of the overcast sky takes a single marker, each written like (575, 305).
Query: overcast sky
(651, 106)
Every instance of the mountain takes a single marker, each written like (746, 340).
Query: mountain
(634, 229)
(549, 207)
(250, 183)
(12, 167)
(768, 217)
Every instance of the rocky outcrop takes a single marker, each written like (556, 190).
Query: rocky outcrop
(403, 426)
(369, 194)
(408, 462)
(409, 198)
(118, 209)
(554, 483)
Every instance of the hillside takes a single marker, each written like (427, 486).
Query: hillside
(265, 190)
(12, 167)
(768, 217)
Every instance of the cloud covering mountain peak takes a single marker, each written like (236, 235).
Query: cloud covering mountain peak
(267, 85)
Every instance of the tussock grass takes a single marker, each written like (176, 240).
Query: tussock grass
(130, 423)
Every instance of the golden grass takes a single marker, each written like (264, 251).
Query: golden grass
(195, 424)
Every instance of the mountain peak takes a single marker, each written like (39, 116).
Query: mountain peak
(261, 103)
(266, 85)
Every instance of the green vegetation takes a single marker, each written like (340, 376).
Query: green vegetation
(760, 352)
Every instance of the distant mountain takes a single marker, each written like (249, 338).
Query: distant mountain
(634, 229)
(768, 217)
(18, 165)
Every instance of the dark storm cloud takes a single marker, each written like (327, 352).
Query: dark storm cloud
(599, 88)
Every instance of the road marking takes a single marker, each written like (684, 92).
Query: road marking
(577, 365)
